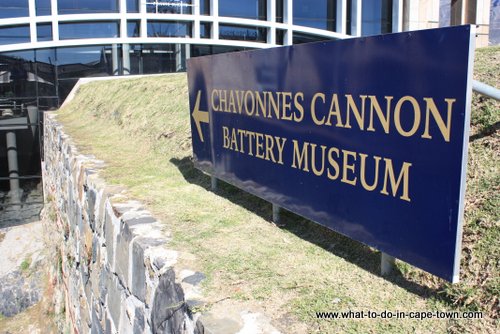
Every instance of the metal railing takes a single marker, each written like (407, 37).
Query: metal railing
(486, 90)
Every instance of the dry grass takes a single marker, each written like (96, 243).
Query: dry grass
(140, 127)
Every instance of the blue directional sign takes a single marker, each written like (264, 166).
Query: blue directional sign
(367, 136)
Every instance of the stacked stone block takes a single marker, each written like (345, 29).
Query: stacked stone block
(117, 271)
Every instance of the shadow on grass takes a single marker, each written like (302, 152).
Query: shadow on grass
(335, 243)
(485, 132)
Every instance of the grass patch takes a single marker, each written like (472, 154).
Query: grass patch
(479, 288)
(140, 128)
(25, 265)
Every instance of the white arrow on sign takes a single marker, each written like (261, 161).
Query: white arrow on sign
(199, 116)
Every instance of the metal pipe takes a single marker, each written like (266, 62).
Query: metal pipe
(33, 118)
(486, 90)
(126, 58)
(15, 194)
(24, 125)
(114, 58)
(24, 177)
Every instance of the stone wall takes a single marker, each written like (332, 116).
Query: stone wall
(114, 264)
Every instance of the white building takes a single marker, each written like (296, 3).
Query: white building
(46, 45)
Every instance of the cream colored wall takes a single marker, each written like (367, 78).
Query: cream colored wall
(483, 22)
(424, 14)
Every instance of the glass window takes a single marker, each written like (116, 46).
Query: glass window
(44, 31)
(46, 56)
(46, 72)
(169, 29)
(495, 23)
(205, 29)
(87, 61)
(160, 58)
(64, 87)
(157, 58)
(319, 14)
(42, 7)
(33, 76)
(133, 6)
(87, 6)
(248, 9)
(20, 81)
(279, 11)
(280, 37)
(204, 7)
(13, 8)
(376, 17)
(135, 55)
(133, 28)
(169, 6)
(88, 30)
(14, 34)
(299, 38)
(348, 19)
(203, 50)
(242, 33)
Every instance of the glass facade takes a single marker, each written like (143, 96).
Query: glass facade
(61, 67)
(376, 17)
(159, 58)
(169, 29)
(133, 28)
(42, 7)
(204, 50)
(13, 8)
(348, 19)
(320, 14)
(205, 30)
(87, 6)
(169, 6)
(280, 37)
(78, 30)
(279, 11)
(242, 33)
(14, 34)
(17, 74)
(46, 76)
(247, 9)
(44, 32)
(133, 6)
(299, 38)
(46, 72)
(84, 61)
(204, 7)
(28, 77)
